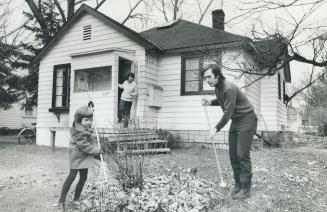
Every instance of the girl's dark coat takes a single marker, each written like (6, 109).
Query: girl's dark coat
(82, 148)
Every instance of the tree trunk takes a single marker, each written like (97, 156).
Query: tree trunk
(62, 13)
(70, 8)
(40, 19)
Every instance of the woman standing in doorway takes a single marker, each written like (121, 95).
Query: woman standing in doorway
(126, 99)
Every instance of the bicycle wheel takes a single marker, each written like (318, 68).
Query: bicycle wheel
(27, 136)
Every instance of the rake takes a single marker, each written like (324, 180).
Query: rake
(222, 183)
(103, 166)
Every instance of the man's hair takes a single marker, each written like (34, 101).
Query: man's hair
(83, 112)
(131, 75)
(215, 70)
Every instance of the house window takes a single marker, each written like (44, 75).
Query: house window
(61, 87)
(192, 82)
(28, 112)
(279, 88)
(93, 79)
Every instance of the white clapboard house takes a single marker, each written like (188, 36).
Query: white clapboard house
(93, 52)
(16, 117)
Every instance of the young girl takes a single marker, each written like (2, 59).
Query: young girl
(82, 149)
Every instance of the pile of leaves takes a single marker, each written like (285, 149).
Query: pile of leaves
(309, 139)
(173, 192)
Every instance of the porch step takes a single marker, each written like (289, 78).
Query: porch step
(133, 140)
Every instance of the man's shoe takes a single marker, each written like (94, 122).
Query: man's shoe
(60, 206)
(242, 194)
(235, 190)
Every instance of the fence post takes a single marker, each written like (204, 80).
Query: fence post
(53, 140)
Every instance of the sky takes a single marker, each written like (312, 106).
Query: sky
(283, 19)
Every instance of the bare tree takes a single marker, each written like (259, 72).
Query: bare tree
(40, 19)
(132, 9)
(205, 11)
(302, 40)
(172, 10)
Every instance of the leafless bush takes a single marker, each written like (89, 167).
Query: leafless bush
(128, 151)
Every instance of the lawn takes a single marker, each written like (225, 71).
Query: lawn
(284, 179)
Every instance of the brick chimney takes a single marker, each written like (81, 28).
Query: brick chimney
(218, 19)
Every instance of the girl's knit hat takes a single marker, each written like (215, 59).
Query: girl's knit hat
(83, 112)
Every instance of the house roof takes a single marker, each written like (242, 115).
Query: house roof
(184, 34)
(271, 51)
(179, 36)
(86, 9)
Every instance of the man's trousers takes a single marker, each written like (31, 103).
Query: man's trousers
(240, 140)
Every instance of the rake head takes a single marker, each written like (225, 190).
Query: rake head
(222, 184)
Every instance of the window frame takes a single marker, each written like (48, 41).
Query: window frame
(65, 89)
(201, 58)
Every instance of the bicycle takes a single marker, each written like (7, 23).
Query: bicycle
(27, 135)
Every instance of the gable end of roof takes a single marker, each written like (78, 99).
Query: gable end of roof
(117, 26)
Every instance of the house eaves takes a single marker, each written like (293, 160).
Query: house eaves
(208, 47)
(114, 24)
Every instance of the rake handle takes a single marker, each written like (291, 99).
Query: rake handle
(91, 105)
(213, 144)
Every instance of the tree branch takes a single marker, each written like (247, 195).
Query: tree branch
(164, 10)
(61, 11)
(70, 8)
(205, 11)
(305, 87)
(302, 59)
(131, 11)
(40, 19)
(100, 4)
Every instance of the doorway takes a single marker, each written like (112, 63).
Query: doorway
(124, 69)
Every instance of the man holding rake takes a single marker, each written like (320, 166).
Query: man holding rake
(238, 108)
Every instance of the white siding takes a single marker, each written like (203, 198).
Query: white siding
(16, 118)
(186, 113)
(269, 98)
(232, 61)
(253, 93)
(273, 110)
(11, 118)
(71, 43)
(151, 78)
(181, 112)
